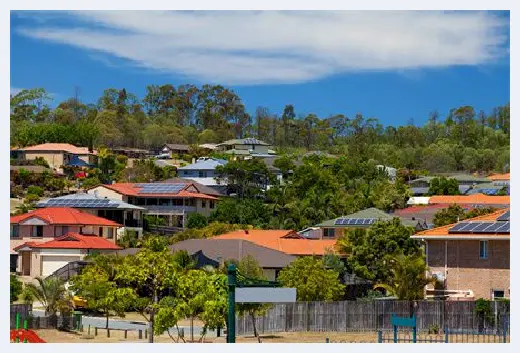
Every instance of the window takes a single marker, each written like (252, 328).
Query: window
(164, 202)
(203, 202)
(201, 174)
(328, 233)
(100, 233)
(64, 230)
(497, 293)
(15, 231)
(110, 234)
(483, 249)
(211, 204)
(177, 202)
(141, 201)
(151, 202)
(37, 232)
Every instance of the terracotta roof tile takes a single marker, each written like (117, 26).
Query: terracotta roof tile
(76, 241)
(444, 230)
(64, 215)
(58, 147)
(287, 241)
(499, 177)
(475, 199)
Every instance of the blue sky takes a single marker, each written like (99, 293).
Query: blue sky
(395, 66)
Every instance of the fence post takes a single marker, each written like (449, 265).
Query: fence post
(380, 336)
(25, 328)
(108, 332)
(446, 335)
(95, 331)
(126, 334)
(140, 334)
(326, 340)
(89, 330)
(505, 330)
(414, 329)
(395, 333)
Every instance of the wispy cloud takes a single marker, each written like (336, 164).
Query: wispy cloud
(282, 47)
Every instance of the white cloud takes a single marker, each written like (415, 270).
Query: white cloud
(283, 47)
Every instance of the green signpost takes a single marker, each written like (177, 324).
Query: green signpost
(243, 284)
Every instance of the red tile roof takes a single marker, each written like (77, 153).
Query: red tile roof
(50, 147)
(444, 230)
(74, 241)
(475, 199)
(132, 189)
(287, 241)
(63, 215)
(499, 177)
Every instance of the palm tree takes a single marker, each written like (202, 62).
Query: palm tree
(408, 277)
(50, 292)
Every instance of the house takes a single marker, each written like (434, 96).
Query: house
(424, 213)
(175, 149)
(203, 172)
(470, 259)
(46, 224)
(335, 228)
(212, 191)
(246, 147)
(500, 179)
(489, 189)
(391, 172)
(170, 203)
(210, 147)
(287, 241)
(59, 155)
(129, 216)
(421, 186)
(473, 200)
(41, 259)
(213, 252)
(135, 153)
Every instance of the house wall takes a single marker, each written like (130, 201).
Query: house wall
(465, 270)
(196, 173)
(55, 159)
(203, 206)
(105, 192)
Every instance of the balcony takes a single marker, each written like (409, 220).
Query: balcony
(170, 210)
(133, 223)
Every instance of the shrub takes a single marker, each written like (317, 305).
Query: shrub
(196, 220)
(16, 288)
(35, 190)
(30, 198)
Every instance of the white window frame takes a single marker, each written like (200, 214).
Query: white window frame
(483, 255)
(34, 231)
(497, 290)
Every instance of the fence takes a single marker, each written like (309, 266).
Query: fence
(38, 322)
(458, 316)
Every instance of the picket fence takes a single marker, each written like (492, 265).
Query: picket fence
(361, 316)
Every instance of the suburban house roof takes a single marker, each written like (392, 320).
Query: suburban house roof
(209, 146)
(134, 189)
(83, 200)
(499, 177)
(287, 241)
(423, 213)
(225, 249)
(367, 213)
(63, 215)
(201, 187)
(246, 141)
(208, 164)
(59, 147)
(177, 147)
(425, 189)
(443, 232)
(475, 199)
(73, 241)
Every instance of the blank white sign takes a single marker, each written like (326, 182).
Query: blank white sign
(265, 295)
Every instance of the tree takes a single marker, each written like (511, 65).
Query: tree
(196, 220)
(407, 277)
(312, 280)
(50, 292)
(443, 186)
(249, 267)
(151, 271)
(101, 293)
(450, 215)
(371, 248)
(247, 211)
(15, 288)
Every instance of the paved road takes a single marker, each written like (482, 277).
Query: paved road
(132, 325)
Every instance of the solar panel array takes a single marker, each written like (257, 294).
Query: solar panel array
(355, 221)
(160, 188)
(504, 217)
(481, 227)
(78, 203)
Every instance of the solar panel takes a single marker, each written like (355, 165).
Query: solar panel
(338, 221)
(458, 227)
(482, 226)
(470, 226)
(504, 228)
(504, 217)
(492, 228)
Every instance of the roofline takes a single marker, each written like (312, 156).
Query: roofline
(469, 237)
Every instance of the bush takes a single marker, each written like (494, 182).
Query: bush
(35, 190)
(16, 288)
(197, 221)
(17, 191)
(31, 198)
(41, 161)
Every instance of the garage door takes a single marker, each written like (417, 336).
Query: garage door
(53, 263)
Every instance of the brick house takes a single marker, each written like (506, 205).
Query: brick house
(29, 230)
(470, 259)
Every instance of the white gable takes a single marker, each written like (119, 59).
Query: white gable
(34, 221)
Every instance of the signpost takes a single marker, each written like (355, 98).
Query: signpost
(247, 290)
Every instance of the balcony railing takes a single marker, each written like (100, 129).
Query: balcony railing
(170, 210)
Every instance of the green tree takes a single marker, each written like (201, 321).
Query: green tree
(247, 211)
(101, 293)
(150, 271)
(196, 220)
(15, 288)
(443, 186)
(50, 292)
(450, 215)
(312, 280)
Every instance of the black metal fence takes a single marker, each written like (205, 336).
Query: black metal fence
(38, 322)
(359, 316)
(443, 337)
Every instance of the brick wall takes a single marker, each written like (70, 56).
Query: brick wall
(467, 271)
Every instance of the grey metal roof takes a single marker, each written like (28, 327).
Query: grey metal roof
(76, 201)
(246, 141)
(179, 147)
(202, 188)
(209, 164)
